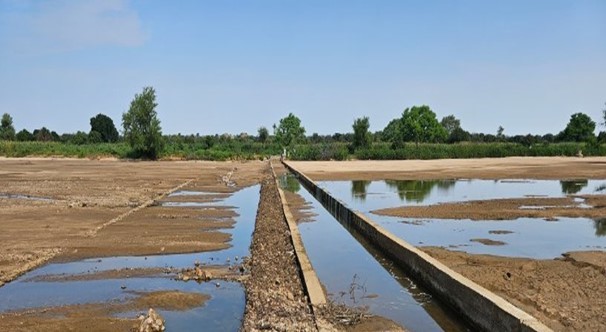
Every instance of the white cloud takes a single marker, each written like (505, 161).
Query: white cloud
(67, 25)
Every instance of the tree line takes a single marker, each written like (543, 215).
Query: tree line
(406, 136)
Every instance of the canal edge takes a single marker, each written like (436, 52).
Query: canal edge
(311, 282)
(480, 306)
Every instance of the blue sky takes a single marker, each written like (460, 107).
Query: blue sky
(233, 66)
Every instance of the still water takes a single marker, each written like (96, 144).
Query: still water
(356, 274)
(523, 237)
(223, 312)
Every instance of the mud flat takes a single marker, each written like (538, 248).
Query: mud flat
(82, 196)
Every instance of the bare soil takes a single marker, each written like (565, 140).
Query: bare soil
(561, 168)
(504, 209)
(566, 294)
(95, 209)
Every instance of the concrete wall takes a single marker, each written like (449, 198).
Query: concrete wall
(479, 306)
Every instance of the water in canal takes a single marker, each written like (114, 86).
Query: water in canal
(223, 312)
(355, 274)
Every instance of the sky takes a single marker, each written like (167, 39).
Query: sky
(229, 66)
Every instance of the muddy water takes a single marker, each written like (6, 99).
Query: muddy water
(524, 237)
(355, 274)
(223, 312)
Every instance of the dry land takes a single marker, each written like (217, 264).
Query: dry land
(566, 293)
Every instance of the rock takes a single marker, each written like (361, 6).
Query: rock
(152, 323)
(185, 278)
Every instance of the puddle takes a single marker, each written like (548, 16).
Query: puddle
(529, 237)
(26, 197)
(223, 312)
(356, 274)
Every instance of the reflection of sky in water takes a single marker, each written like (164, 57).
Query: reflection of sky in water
(534, 238)
(336, 257)
(190, 193)
(222, 313)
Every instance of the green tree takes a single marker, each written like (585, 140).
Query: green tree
(289, 132)
(450, 123)
(24, 136)
(43, 135)
(419, 124)
(362, 138)
(79, 138)
(500, 135)
(104, 125)
(580, 128)
(263, 134)
(604, 115)
(7, 131)
(391, 132)
(141, 125)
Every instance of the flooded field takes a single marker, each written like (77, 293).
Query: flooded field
(106, 284)
(355, 274)
(518, 237)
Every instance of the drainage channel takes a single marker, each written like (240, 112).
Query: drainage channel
(66, 285)
(354, 273)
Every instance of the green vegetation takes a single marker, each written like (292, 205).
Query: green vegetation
(362, 138)
(289, 132)
(417, 134)
(102, 127)
(142, 127)
(7, 131)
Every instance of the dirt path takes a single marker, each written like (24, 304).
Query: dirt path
(275, 298)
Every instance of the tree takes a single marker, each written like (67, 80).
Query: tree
(391, 132)
(104, 125)
(500, 135)
(450, 123)
(7, 131)
(458, 135)
(24, 136)
(604, 115)
(289, 132)
(580, 128)
(141, 125)
(419, 124)
(263, 134)
(43, 135)
(79, 138)
(362, 138)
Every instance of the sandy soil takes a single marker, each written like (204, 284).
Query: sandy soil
(488, 168)
(93, 209)
(566, 294)
(504, 209)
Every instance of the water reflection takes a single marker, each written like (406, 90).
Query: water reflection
(289, 182)
(600, 226)
(573, 187)
(359, 188)
(418, 190)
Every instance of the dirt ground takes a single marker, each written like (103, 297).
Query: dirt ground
(566, 294)
(276, 297)
(67, 209)
(505, 209)
(561, 168)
